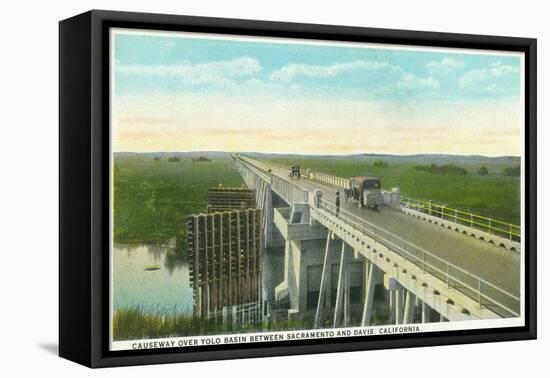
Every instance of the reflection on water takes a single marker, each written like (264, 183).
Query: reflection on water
(151, 278)
(138, 283)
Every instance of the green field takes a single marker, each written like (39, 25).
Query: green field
(493, 195)
(153, 197)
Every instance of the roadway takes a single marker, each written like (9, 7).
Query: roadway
(497, 265)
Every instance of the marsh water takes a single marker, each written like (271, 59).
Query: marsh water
(146, 277)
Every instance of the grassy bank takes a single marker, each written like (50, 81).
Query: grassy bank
(494, 195)
(153, 197)
(133, 323)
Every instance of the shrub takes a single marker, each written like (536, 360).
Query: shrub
(483, 171)
(512, 171)
(447, 169)
(381, 164)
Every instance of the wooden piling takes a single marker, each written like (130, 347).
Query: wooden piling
(225, 249)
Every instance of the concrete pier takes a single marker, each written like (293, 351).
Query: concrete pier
(410, 304)
(426, 310)
(342, 293)
(373, 278)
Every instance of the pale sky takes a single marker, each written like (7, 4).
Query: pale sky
(183, 93)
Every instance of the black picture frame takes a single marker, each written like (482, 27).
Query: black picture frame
(84, 185)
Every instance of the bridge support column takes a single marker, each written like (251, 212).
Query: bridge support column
(399, 303)
(392, 298)
(391, 301)
(425, 313)
(372, 273)
(287, 289)
(268, 216)
(304, 263)
(323, 289)
(410, 304)
(347, 298)
(342, 293)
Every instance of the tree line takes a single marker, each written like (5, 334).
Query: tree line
(451, 169)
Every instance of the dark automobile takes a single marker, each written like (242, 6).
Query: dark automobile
(294, 172)
(366, 191)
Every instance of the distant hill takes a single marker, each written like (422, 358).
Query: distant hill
(413, 159)
(181, 155)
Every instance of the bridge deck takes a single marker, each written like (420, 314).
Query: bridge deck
(495, 264)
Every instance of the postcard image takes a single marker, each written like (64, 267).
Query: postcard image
(281, 190)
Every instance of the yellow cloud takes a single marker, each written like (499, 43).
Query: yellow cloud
(182, 123)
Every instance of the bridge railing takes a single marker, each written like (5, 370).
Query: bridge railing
(489, 225)
(287, 190)
(485, 293)
(328, 179)
(244, 165)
